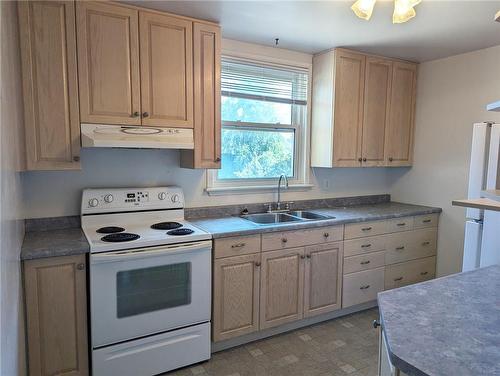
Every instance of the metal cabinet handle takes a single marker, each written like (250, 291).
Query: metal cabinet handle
(308, 256)
(302, 257)
(80, 266)
(257, 264)
(426, 243)
(366, 228)
(359, 159)
(364, 262)
(390, 159)
(217, 159)
(326, 234)
(424, 273)
(366, 245)
(364, 287)
(284, 240)
(364, 159)
(398, 279)
(76, 158)
(376, 324)
(145, 114)
(400, 248)
(401, 224)
(136, 114)
(239, 245)
(426, 221)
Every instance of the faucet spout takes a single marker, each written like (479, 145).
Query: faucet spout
(282, 177)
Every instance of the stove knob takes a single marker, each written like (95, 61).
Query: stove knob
(108, 198)
(162, 195)
(175, 198)
(93, 202)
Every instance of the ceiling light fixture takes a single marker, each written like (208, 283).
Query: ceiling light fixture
(404, 10)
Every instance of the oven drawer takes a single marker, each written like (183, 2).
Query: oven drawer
(155, 354)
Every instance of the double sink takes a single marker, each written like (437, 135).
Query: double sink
(285, 217)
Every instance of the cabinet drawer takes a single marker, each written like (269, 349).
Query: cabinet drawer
(410, 245)
(400, 224)
(359, 230)
(300, 238)
(364, 262)
(362, 286)
(429, 220)
(406, 273)
(364, 245)
(236, 246)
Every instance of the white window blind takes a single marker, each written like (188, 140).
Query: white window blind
(263, 82)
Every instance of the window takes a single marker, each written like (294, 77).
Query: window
(264, 116)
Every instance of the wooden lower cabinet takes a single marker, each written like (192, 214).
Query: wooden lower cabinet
(56, 316)
(236, 296)
(323, 279)
(282, 287)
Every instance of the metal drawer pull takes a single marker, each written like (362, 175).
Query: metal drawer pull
(365, 262)
(398, 279)
(400, 248)
(239, 245)
(426, 221)
(376, 324)
(257, 264)
(284, 240)
(426, 243)
(366, 229)
(302, 257)
(308, 256)
(80, 266)
(402, 224)
(326, 234)
(424, 273)
(366, 245)
(364, 287)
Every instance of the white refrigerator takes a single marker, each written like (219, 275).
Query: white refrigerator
(482, 228)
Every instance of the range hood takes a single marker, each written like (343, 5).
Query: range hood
(140, 137)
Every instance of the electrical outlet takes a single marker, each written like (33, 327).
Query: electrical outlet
(326, 183)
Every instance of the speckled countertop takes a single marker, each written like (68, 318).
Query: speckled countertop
(447, 326)
(235, 226)
(53, 243)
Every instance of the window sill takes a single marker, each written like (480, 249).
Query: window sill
(219, 191)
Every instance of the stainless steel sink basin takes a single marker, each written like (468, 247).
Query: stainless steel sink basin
(309, 215)
(292, 216)
(270, 218)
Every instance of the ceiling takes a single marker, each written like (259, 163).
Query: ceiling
(440, 29)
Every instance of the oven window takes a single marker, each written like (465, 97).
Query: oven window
(152, 289)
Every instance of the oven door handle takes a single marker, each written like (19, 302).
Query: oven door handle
(141, 253)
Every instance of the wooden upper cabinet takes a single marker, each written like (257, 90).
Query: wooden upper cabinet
(207, 118)
(362, 110)
(377, 101)
(108, 58)
(399, 133)
(166, 70)
(348, 108)
(236, 296)
(56, 316)
(48, 49)
(323, 279)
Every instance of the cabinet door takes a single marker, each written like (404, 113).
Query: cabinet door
(108, 59)
(50, 84)
(399, 132)
(323, 278)
(348, 108)
(282, 287)
(56, 313)
(236, 296)
(376, 110)
(166, 70)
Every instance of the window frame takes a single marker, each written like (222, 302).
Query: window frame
(300, 121)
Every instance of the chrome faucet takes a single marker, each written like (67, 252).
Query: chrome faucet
(278, 203)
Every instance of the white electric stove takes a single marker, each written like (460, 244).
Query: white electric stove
(150, 281)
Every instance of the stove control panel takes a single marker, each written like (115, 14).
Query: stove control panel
(95, 201)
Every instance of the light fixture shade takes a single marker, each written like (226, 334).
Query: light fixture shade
(404, 10)
(363, 8)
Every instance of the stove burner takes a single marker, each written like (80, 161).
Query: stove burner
(166, 225)
(180, 231)
(110, 230)
(120, 237)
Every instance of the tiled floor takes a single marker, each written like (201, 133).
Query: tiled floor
(343, 346)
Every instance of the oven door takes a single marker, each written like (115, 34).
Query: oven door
(135, 293)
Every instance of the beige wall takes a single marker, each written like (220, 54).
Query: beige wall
(12, 359)
(452, 95)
